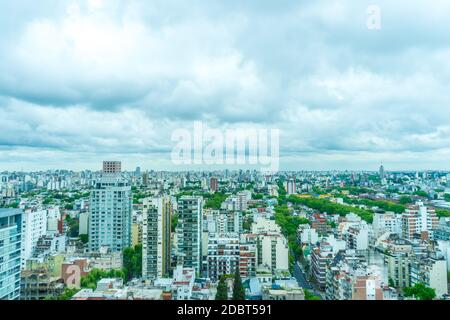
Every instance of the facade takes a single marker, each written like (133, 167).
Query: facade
(273, 252)
(218, 221)
(321, 256)
(399, 269)
(223, 255)
(39, 285)
(189, 232)
(367, 288)
(213, 184)
(112, 167)
(157, 213)
(84, 223)
(283, 294)
(387, 222)
(10, 253)
(419, 220)
(307, 235)
(357, 237)
(319, 223)
(291, 186)
(110, 214)
(432, 272)
(34, 226)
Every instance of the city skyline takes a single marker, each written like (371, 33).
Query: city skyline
(83, 81)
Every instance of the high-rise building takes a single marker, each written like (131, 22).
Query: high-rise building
(382, 172)
(145, 178)
(34, 226)
(213, 184)
(112, 167)
(156, 246)
(291, 186)
(110, 213)
(189, 232)
(10, 250)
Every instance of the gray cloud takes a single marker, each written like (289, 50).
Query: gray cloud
(117, 77)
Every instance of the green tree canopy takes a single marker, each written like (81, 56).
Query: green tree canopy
(420, 292)
(238, 288)
(222, 290)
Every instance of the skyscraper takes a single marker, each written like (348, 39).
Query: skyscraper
(110, 212)
(213, 184)
(189, 231)
(156, 246)
(10, 250)
(382, 172)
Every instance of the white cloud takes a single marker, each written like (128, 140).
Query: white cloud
(118, 76)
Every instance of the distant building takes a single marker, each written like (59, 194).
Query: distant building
(382, 173)
(213, 184)
(112, 167)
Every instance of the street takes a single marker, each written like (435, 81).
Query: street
(301, 278)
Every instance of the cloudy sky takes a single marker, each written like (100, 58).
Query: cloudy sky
(83, 81)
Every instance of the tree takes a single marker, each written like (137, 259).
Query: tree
(391, 283)
(238, 288)
(420, 292)
(84, 238)
(310, 296)
(405, 200)
(222, 290)
(132, 262)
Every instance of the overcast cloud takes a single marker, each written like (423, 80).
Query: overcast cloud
(83, 81)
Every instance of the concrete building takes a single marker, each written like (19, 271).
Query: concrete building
(223, 255)
(218, 221)
(189, 232)
(367, 288)
(291, 186)
(357, 237)
(213, 184)
(110, 213)
(321, 256)
(112, 167)
(432, 272)
(307, 235)
(39, 285)
(10, 253)
(271, 293)
(83, 223)
(387, 222)
(399, 269)
(273, 252)
(247, 259)
(34, 226)
(156, 229)
(419, 220)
